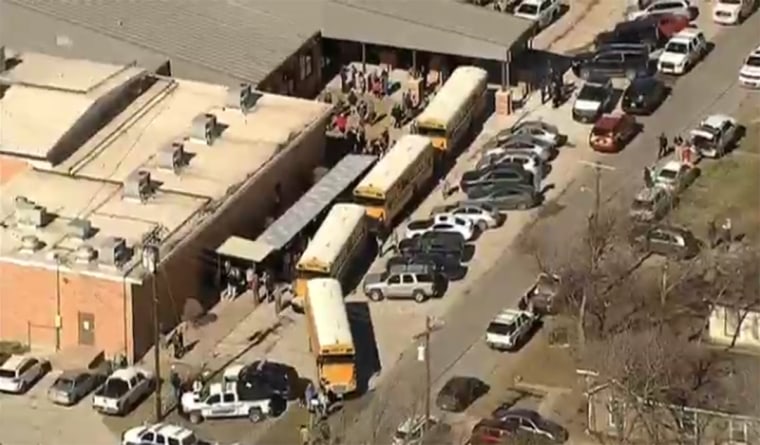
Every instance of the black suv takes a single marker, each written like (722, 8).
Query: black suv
(628, 61)
(644, 31)
(503, 173)
(449, 245)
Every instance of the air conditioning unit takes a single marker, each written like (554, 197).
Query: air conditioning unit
(29, 214)
(137, 186)
(113, 251)
(204, 128)
(172, 157)
(85, 254)
(79, 228)
(242, 97)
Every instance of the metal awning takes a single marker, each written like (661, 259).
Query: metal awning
(292, 222)
(244, 249)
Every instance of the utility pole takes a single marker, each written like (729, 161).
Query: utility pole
(150, 263)
(423, 354)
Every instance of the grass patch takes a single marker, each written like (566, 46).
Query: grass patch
(728, 187)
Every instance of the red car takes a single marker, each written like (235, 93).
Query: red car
(612, 132)
(671, 24)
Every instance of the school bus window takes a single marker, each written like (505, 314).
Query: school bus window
(369, 202)
(431, 132)
(343, 358)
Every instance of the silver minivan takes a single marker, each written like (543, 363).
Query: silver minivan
(416, 281)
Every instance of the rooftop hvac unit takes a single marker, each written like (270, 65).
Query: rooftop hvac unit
(85, 254)
(137, 186)
(204, 128)
(242, 97)
(113, 251)
(30, 244)
(79, 228)
(171, 157)
(29, 214)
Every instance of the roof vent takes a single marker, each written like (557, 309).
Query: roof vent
(137, 186)
(242, 97)
(172, 157)
(30, 244)
(204, 128)
(29, 214)
(113, 251)
(85, 254)
(79, 228)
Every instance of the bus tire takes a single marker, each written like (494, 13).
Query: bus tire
(419, 296)
(375, 295)
(255, 415)
(195, 417)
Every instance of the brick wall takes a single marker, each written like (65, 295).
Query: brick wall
(182, 274)
(29, 297)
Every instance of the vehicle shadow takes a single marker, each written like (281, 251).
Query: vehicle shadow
(527, 337)
(468, 253)
(367, 355)
(617, 93)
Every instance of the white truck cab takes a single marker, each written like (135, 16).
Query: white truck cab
(228, 399)
(509, 328)
(682, 52)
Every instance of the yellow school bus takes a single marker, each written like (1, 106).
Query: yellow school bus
(330, 336)
(459, 104)
(399, 175)
(338, 241)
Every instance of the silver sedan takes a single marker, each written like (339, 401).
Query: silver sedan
(71, 386)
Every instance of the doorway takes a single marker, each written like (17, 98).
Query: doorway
(86, 329)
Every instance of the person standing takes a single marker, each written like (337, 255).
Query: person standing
(176, 383)
(726, 228)
(179, 343)
(663, 146)
(303, 431)
(712, 233)
(308, 396)
(197, 386)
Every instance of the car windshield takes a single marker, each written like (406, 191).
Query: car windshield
(667, 174)
(677, 47)
(593, 93)
(642, 204)
(115, 388)
(700, 141)
(753, 61)
(7, 374)
(596, 131)
(500, 328)
(64, 382)
(527, 9)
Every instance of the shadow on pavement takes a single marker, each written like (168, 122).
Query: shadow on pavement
(367, 356)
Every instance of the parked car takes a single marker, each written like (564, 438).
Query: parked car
(19, 373)
(491, 432)
(441, 223)
(459, 392)
(651, 204)
(595, 97)
(536, 129)
(506, 197)
(122, 391)
(540, 297)
(528, 159)
(281, 378)
(531, 422)
(410, 281)
(482, 216)
(612, 132)
(732, 12)
(418, 430)
(230, 399)
(624, 62)
(490, 178)
(160, 434)
(667, 241)
(749, 73)
(509, 329)
(441, 243)
(542, 12)
(682, 52)
(715, 135)
(674, 7)
(675, 176)
(653, 31)
(72, 386)
(541, 147)
(446, 265)
(644, 95)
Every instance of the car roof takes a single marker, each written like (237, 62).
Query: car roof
(687, 34)
(608, 122)
(170, 430)
(507, 315)
(671, 165)
(648, 193)
(643, 81)
(124, 373)
(521, 412)
(715, 120)
(14, 362)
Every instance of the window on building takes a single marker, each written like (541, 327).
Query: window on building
(739, 432)
(306, 65)
(615, 411)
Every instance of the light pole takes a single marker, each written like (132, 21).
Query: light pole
(150, 263)
(423, 352)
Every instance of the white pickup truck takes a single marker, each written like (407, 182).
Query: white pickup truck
(509, 329)
(229, 399)
(122, 391)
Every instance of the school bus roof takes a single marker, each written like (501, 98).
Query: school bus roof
(452, 95)
(328, 312)
(407, 150)
(332, 236)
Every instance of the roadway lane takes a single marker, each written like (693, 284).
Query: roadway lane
(710, 87)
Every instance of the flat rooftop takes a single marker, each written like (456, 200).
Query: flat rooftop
(90, 183)
(44, 97)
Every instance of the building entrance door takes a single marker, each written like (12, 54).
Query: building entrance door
(86, 329)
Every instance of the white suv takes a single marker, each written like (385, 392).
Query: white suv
(732, 12)
(19, 373)
(749, 74)
(682, 51)
(543, 12)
